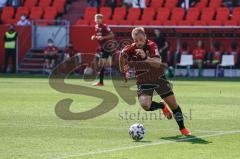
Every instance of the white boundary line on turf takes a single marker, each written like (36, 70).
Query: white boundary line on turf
(146, 145)
(96, 127)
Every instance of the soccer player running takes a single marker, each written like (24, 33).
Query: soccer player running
(144, 57)
(102, 34)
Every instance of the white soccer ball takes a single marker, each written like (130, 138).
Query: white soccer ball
(137, 131)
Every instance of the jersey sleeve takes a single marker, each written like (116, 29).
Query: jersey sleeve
(107, 29)
(126, 51)
(153, 50)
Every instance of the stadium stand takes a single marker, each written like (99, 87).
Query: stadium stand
(106, 12)
(59, 5)
(192, 15)
(20, 11)
(157, 13)
(34, 9)
(201, 4)
(50, 13)
(160, 12)
(30, 3)
(36, 13)
(119, 14)
(7, 13)
(170, 4)
(157, 4)
(45, 3)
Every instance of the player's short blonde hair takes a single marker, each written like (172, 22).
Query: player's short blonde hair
(99, 16)
(138, 30)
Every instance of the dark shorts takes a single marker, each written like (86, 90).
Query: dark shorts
(105, 54)
(162, 86)
(164, 56)
(51, 57)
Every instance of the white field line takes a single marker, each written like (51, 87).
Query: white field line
(93, 127)
(145, 145)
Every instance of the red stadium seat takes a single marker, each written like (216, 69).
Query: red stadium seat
(170, 23)
(200, 23)
(231, 23)
(215, 23)
(60, 5)
(44, 3)
(157, 4)
(236, 10)
(30, 3)
(12, 21)
(7, 13)
(202, 4)
(215, 3)
(177, 14)
(171, 4)
(36, 13)
(192, 14)
(20, 11)
(207, 14)
(89, 13)
(156, 23)
(106, 12)
(148, 13)
(119, 13)
(110, 22)
(184, 23)
(163, 14)
(133, 14)
(125, 22)
(236, 14)
(222, 14)
(148, 3)
(50, 13)
(141, 22)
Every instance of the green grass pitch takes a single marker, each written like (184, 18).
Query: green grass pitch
(29, 128)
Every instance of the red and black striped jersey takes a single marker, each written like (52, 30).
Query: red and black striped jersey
(144, 72)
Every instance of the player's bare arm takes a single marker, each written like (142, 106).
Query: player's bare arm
(123, 66)
(93, 37)
(123, 63)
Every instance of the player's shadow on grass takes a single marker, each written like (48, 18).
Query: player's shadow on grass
(190, 139)
(143, 141)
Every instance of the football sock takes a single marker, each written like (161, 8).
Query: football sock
(156, 106)
(101, 75)
(177, 113)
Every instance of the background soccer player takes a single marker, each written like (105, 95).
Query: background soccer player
(103, 35)
(149, 71)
